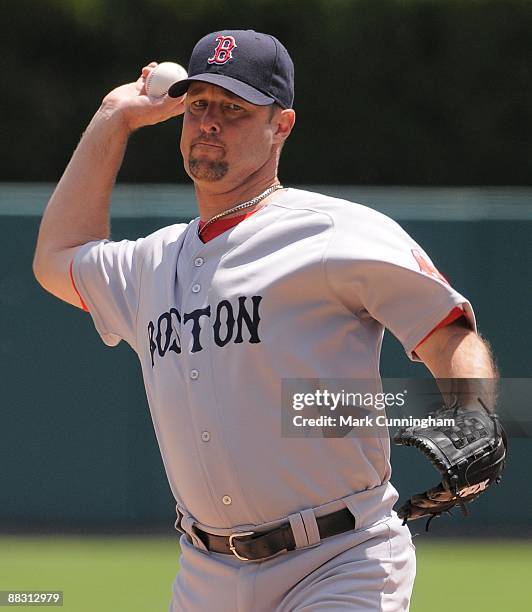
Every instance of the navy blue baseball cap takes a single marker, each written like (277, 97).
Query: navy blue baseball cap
(254, 66)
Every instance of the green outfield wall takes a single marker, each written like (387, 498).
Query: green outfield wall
(77, 449)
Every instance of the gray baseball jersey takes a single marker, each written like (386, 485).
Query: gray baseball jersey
(302, 289)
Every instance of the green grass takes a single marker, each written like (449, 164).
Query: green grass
(462, 575)
(100, 574)
(95, 574)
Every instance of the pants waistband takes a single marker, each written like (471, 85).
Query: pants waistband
(367, 507)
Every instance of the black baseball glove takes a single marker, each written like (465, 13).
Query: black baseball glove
(470, 455)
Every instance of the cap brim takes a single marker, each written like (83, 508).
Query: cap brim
(242, 90)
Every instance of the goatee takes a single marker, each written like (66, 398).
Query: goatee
(208, 170)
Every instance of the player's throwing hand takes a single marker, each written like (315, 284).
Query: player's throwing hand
(136, 108)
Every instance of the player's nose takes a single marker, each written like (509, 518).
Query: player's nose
(210, 121)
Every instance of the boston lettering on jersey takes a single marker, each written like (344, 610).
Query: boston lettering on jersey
(229, 323)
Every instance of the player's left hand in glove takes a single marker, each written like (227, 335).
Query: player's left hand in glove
(470, 456)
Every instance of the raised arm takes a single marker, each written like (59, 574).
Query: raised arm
(78, 211)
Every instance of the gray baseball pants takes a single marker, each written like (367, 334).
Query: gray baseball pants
(366, 570)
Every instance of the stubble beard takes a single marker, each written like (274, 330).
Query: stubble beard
(207, 170)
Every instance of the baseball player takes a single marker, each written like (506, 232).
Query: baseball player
(268, 283)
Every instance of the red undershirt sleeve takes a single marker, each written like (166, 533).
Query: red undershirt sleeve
(455, 314)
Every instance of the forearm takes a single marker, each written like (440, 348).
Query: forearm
(471, 373)
(463, 355)
(462, 363)
(78, 210)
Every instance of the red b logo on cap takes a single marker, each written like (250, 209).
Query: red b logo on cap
(224, 50)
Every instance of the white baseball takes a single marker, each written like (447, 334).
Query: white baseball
(162, 77)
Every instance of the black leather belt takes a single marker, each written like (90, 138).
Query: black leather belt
(251, 546)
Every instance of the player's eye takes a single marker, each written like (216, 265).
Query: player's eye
(234, 107)
(198, 104)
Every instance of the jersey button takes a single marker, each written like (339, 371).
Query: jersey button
(196, 288)
(194, 374)
(205, 436)
(198, 262)
(226, 500)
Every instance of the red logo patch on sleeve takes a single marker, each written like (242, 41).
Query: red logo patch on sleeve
(427, 267)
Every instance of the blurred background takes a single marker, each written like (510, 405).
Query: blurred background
(419, 108)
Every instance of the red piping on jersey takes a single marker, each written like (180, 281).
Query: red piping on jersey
(83, 305)
(455, 314)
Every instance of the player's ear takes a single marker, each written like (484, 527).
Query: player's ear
(284, 120)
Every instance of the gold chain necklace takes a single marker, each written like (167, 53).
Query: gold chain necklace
(242, 206)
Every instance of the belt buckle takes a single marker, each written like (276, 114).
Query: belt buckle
(232, 546)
